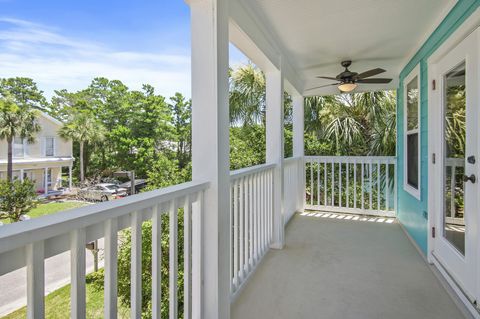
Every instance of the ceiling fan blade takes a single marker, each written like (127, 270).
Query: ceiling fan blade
(374, 81)
(318, 87)
(327, 78)
(369, 73)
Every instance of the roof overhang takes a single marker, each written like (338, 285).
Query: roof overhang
(40, 160)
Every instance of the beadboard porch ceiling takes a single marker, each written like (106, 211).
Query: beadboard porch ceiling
(316, 35)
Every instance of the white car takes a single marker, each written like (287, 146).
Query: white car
(102, 192)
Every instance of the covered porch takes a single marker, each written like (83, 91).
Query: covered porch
(251, 248)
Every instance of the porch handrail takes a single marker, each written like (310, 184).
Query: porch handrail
(242, 172)
(29, 243)
(251, 220)
(351, 184)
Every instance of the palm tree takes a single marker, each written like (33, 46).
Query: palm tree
(16, 121)
(247, 95)
(84, 129)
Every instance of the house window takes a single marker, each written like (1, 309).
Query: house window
(18, 147)
(49, 146)
(412, 133)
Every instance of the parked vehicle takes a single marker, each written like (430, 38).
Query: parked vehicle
(102, 192)
(139, 185)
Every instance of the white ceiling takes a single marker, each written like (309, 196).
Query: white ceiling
(317, 35)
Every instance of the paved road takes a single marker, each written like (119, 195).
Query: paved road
(13, 285)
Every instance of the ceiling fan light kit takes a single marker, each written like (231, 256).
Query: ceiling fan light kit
(347, 87)
(347, 80)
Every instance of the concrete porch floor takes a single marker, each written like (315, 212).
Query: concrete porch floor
(335, 268)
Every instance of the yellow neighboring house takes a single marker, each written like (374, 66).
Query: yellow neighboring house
(43, 160)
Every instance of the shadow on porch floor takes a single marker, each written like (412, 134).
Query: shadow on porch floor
(336, 268)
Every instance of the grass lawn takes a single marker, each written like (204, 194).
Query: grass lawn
(57, 304)
(51, 208)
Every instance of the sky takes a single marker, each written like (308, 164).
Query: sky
(65, 44)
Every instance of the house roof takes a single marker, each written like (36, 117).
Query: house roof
(51, 118)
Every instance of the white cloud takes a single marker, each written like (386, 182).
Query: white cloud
(56, 61)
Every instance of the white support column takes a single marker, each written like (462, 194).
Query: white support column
(298, 147)
(70, 177)
(298, 125)
(45, 180)
(275, 151)
(210, 148)
(21, 174)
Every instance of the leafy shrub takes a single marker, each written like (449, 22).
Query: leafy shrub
(16, 198)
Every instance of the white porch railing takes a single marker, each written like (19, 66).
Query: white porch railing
(293, 183)
(351, 184)
(29, 243)
(251, 208)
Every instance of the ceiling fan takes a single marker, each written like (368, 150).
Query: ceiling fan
(347, 80)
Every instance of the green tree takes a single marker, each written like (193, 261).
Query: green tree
(16, 199)
(181, 113)
(24, 92)
(16, 121)
(84, 129)
(351, 124)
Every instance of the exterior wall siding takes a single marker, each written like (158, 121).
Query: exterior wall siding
(411, 212)
(63, 148)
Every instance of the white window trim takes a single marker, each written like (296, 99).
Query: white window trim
(410, 189)
(54, 146)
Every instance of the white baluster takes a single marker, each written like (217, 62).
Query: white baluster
(35, 254)
(370, 182)
(156, 262)
(136, 266)
(340, 183)
(333, 183)
(110, 266)
(363, 185)
(355, 183)
(187, 255)
(325, 186)
(77, 272)
(173, 260)
(348, 182)
(235, 234)
(387, 188)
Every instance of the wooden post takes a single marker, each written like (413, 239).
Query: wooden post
(46, 180)
(298, 149)
(275, 151)
(70, 177)
(210, 149)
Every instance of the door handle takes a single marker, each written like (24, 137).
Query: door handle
(470, 178)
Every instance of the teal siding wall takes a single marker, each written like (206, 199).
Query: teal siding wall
(411, 212)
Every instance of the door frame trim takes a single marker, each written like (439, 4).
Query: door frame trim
(468, 26)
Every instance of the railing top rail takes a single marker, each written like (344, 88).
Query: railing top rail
(239, 173)
(20, 234)
(350, 158)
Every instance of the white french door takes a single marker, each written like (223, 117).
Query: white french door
(455, 182)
